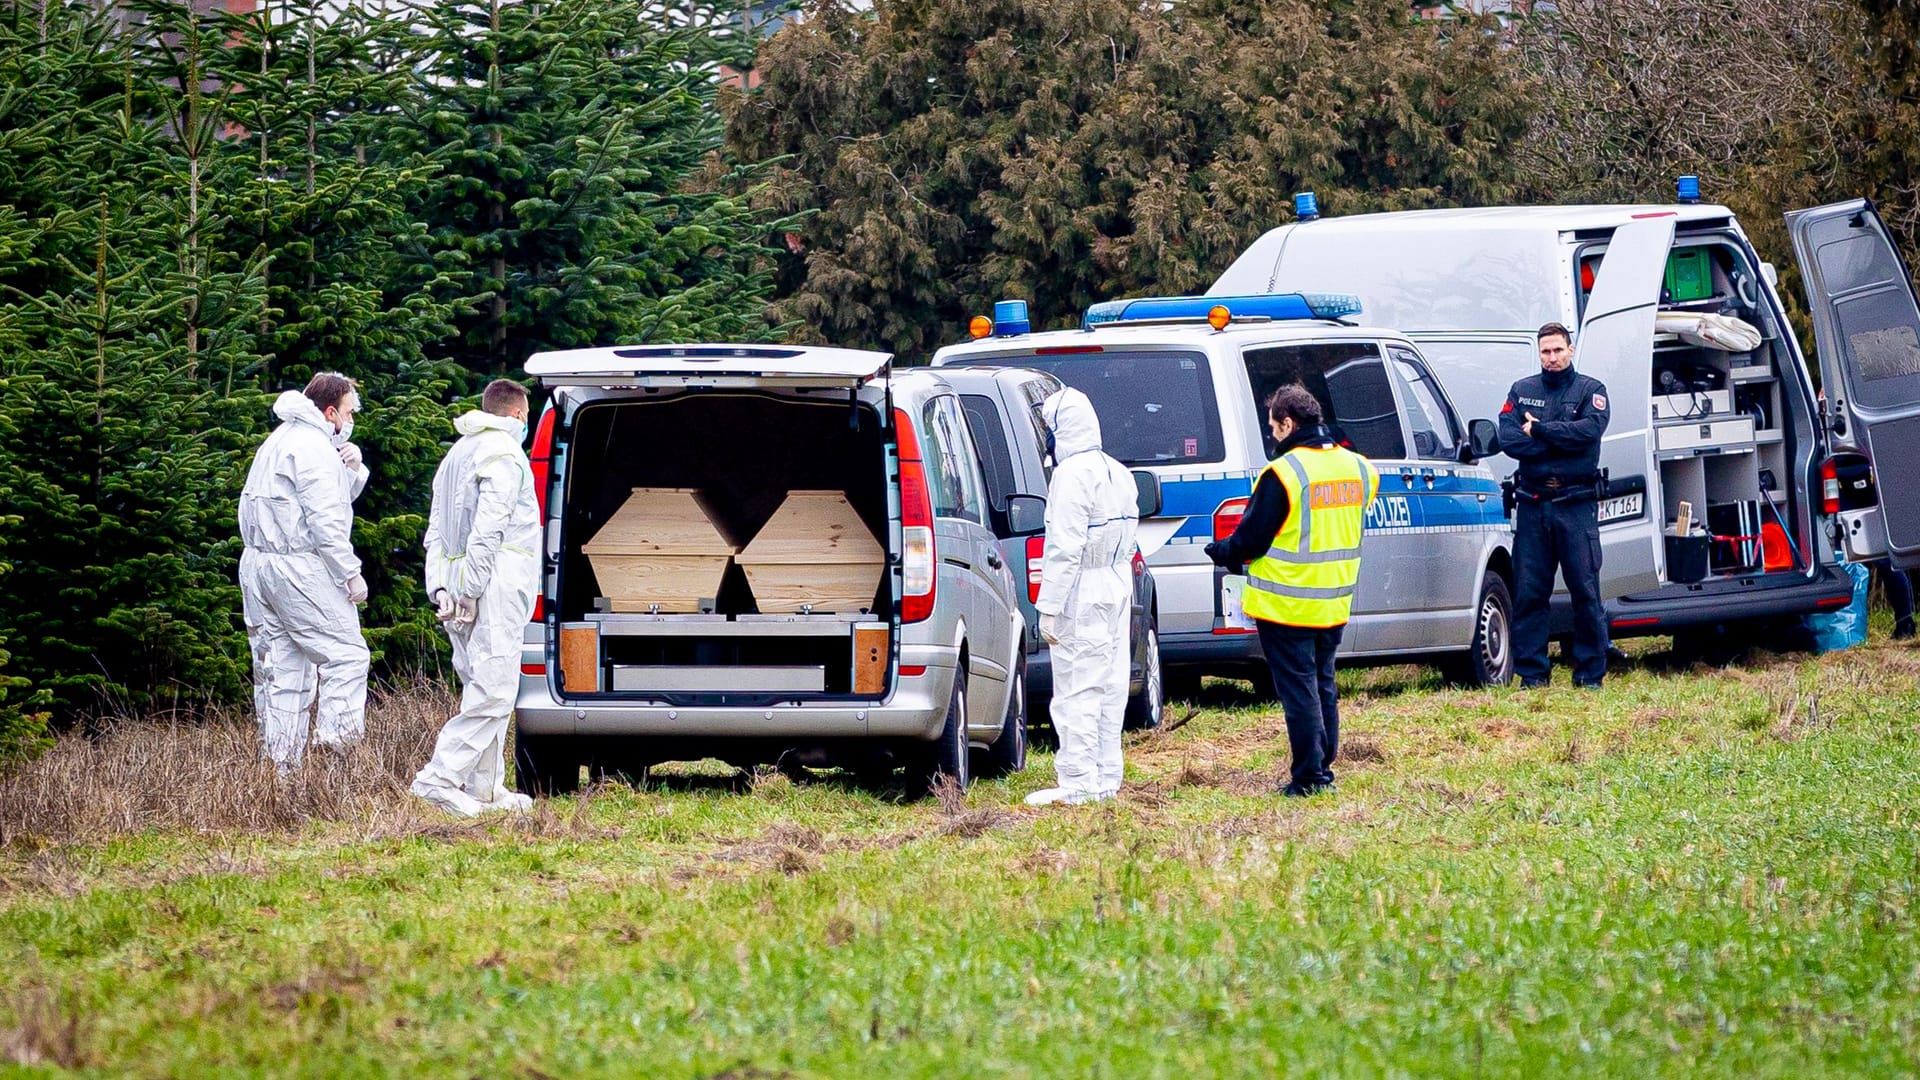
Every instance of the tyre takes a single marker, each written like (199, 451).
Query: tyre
(545, 765)
(1008, 754)
(1145, 709)
(948, 756)
(1489, 662)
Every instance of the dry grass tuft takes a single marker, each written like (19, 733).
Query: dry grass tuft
(136, 776)
(1233, 781)
(44, 1030)
(1361, 750)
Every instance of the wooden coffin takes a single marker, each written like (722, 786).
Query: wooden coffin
(661, 551)
(814, 554)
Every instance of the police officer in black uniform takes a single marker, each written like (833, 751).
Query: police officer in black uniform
(1551, 425)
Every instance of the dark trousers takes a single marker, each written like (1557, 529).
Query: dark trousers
(1301, 659)
(1564, 536)
(1899, 590)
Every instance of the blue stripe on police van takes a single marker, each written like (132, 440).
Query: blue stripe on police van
(1455, 502)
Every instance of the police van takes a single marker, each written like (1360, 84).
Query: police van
(1724, 430)
(1179, 382)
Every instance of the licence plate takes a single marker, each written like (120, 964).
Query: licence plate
(1623, 508)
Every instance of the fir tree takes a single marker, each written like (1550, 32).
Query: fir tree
(1067, 151)
(567, 133)
(121, 499)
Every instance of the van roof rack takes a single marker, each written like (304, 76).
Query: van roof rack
(1332, 307)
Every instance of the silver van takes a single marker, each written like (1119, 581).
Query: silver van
(918, 676)
(1737, 435)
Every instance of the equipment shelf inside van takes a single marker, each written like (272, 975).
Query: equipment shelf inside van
(746, 453)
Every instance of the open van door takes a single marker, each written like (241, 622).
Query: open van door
(1867, 326)
(1614, 346)
(712, 366)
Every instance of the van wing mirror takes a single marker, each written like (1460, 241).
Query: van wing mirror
(1483, 440)
(1772, 275)
(1026, 515)
(1146, 488)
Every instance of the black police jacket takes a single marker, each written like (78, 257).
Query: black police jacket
(1570, 414)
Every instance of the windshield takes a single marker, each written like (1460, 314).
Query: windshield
(1155, 408)
(1429, 280)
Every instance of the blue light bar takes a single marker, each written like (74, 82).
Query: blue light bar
(1010, 318)
(1688, 188)
(1306, 205)
(1275, 306)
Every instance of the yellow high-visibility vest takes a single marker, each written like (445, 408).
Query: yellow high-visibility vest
(1308, 576)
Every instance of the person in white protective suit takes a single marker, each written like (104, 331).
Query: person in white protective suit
(299, 577)
(1086, 589)
(483, 570)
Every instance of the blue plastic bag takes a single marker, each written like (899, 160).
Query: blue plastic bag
(1846, 627)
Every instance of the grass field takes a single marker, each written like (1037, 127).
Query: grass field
(1710, 872)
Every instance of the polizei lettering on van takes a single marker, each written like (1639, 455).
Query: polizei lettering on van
(1390, 512)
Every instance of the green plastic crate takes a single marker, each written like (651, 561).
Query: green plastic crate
(1689, 275)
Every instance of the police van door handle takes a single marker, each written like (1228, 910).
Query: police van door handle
(1427, 475)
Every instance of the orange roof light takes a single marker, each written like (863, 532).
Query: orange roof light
(980, 327)
(1218, 316)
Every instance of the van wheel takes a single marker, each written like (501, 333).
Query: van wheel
(948, 755)
(1489, 662)
(1145, 709)
(545, 765)
(1008, 754)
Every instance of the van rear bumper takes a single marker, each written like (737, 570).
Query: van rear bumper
(1211, 650)
(917, 709)
(1680, 607)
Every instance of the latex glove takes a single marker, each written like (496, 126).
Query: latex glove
(1050, 629)
(465, 610)
(357, 589)
(443, 605)
(350, 457)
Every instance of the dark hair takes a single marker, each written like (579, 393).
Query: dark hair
(501, 396)
(1293, 401)
(1553, 328)
(328, 389)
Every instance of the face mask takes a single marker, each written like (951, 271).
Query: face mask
(518, 431)
(343, 436)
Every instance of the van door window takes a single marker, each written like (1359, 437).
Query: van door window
(1349, 380)
(957, 491)
(1434, 433)
(990, 438)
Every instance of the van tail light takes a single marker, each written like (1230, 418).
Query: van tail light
(1139, 563)
(1227, 517)
(541, 460)
(918, 559)
(1036, 559)
(1829, 487)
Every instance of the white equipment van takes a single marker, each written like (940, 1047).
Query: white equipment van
(1731, 426)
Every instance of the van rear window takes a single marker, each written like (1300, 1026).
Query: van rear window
(1155, 408)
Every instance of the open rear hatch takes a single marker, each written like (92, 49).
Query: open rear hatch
(725, 525)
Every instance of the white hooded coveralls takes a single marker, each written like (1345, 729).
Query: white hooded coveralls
(297, 525)
(483, 543)
(1086, 582)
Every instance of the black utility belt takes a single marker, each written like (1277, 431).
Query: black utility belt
(1556, 489)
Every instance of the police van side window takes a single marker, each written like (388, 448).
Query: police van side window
(1434, 434)
(1350, 381)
